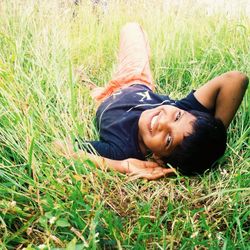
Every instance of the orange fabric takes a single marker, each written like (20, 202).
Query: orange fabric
(133, 62)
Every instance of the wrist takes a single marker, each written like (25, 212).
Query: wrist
(125, 166)
(78, 155)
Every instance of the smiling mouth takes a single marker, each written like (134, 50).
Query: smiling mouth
(152, 123)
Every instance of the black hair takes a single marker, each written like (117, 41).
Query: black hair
(199, 150)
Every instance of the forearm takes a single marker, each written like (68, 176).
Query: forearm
(121, 166)
(223, 94)
(229, 97)
(135, 167)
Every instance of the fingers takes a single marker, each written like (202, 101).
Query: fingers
(57, 144)
(95, 92)
(62, 148)
(169, 171)
(152, 173)
(147, 176)
(160, 173)
(151, 164)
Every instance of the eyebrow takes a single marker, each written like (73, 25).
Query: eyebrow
(183, 113)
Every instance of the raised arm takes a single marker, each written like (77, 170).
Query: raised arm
(223, 94)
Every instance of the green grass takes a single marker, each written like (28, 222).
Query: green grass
(49, 202)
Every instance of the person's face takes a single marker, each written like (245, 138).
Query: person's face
(163, 128)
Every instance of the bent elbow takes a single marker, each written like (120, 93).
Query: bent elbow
(239, 78)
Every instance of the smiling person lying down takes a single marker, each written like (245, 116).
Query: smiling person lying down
(134, 122)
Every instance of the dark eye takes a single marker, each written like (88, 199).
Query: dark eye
(178, 116)
(169, 140)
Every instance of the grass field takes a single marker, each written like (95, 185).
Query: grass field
(48, 202)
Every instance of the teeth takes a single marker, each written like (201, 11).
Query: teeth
(153, 121)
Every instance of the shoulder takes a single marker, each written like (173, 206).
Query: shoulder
(190, 102)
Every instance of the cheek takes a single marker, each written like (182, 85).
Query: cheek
(142, 120)
(154, 143)
(143, 117)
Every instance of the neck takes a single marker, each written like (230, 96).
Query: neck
(142, 146)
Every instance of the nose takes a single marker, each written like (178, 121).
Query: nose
(164, 123)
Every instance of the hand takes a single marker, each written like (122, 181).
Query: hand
(95, 92)
(64, 148)
(145, 169)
